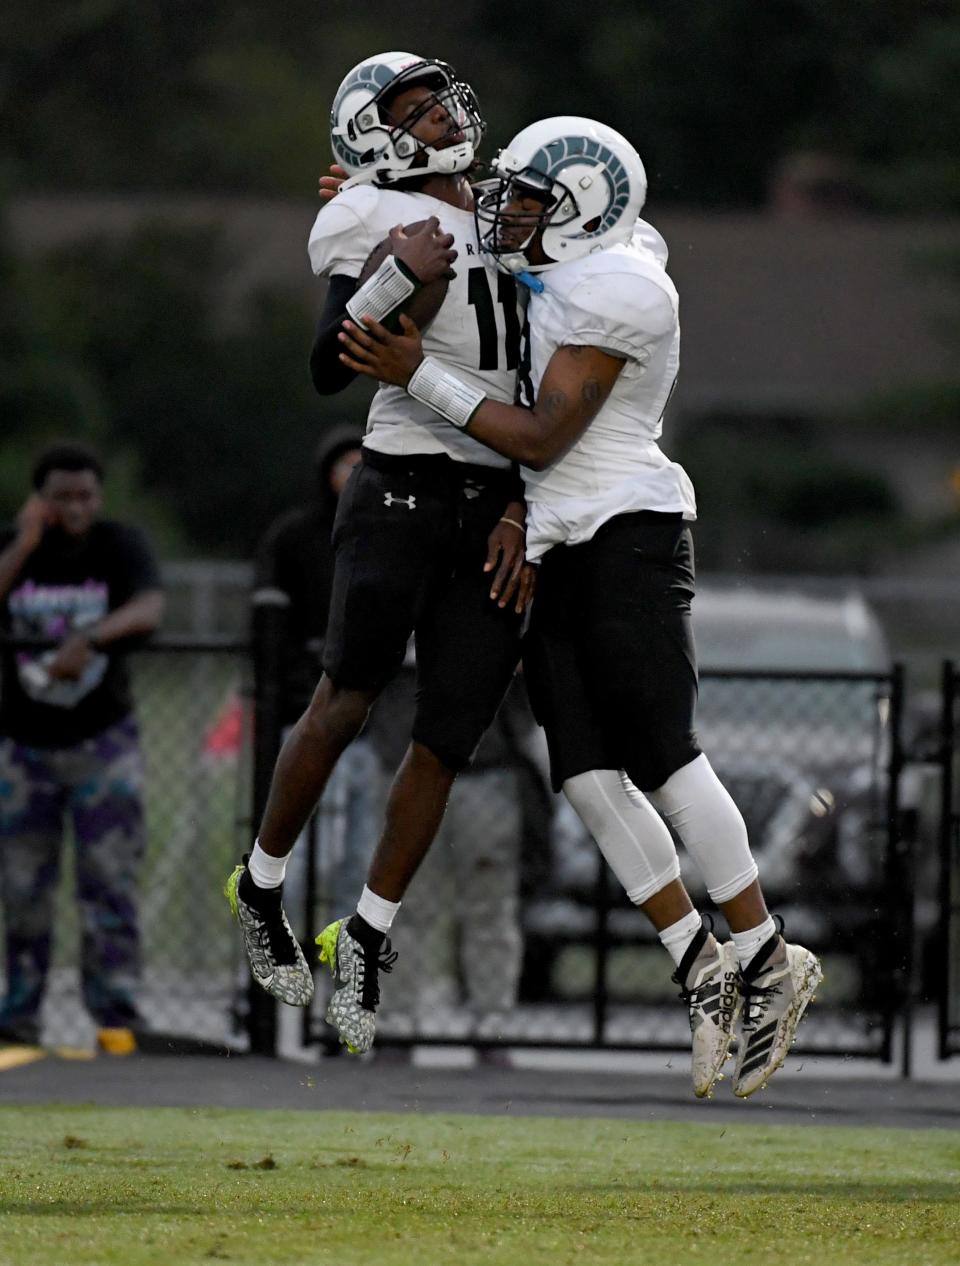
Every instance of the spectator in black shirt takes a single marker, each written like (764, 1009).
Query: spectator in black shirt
(85, 589)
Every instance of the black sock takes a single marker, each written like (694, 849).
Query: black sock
(259, 899)
(369, 937)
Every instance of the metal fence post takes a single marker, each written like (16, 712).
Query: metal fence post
(904, 866)
(949, 839)
(311, 887)
(269, 622)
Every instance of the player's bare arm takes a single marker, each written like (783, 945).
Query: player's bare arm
(513, 579)
(575, 386)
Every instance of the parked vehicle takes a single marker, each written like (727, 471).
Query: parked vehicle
(804, 753)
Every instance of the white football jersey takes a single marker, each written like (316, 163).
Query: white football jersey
(476, 333)
(622, 301)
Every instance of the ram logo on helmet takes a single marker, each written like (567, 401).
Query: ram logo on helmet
(568, 151)
(589, 180)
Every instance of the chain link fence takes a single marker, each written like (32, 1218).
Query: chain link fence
(189, 699)
(513, 932)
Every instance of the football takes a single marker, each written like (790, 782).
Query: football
(424, 304)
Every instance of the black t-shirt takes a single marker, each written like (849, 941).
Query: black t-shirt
(65, 585)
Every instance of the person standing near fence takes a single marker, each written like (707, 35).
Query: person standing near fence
(89, 588)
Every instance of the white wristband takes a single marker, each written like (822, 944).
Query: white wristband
(454, 400)
(382, 293)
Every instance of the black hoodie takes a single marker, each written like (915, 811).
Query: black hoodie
(296, 556)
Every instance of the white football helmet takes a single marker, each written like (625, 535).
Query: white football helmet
(589, 178)
(372, 149)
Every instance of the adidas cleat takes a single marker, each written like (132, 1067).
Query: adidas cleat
(355, 968)
(709, 981)
(777, 986)
(276, 959)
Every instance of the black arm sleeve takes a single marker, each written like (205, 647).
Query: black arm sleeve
(328, 372)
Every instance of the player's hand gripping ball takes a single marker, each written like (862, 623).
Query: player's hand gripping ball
(429, 254)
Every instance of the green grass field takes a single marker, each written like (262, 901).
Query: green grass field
(174, 1186)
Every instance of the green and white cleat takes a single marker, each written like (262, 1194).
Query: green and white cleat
(276, 960)
(709, 980)
(778, 985)
(355, 968)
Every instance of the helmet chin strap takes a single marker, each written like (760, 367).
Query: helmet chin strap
(449, 161)
(513, 261)
(366, 177)
(517, 262)
(440, 162)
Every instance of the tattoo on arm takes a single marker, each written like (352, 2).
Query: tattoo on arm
(555, 404)
(591, 393)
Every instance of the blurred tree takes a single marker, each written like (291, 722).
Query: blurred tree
(773, 498)
(143, 94)
(127, 348)
(105, 92)
(124, 342)
(910, 140)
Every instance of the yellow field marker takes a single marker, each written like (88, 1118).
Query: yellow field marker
(18, 1056)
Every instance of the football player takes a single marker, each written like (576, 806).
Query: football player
(424, 520)
(611, 664)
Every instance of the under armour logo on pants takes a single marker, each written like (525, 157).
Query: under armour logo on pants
(410, 502)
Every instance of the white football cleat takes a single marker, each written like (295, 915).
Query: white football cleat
(709, 980)
(778, 984)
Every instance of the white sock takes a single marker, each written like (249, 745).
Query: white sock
(678, 937)
(377, 911)
(699, 808)
(266, 871)
(630, 833)
(749, 943)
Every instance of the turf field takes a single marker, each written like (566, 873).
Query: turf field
(85, 1185)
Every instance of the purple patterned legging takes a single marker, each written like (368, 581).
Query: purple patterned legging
(98, 787)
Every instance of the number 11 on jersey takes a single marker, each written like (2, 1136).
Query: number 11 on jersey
(480, 299)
